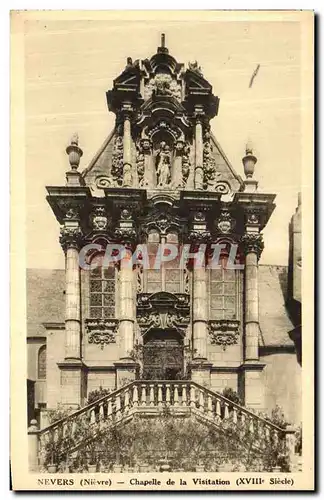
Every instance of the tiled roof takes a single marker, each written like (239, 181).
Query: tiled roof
(46, 302)
(274, 319)
(45, 299)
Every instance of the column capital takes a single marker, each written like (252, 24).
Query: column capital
(252, 243)
(70, 236)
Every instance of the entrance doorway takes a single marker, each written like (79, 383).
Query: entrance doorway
(163, 357)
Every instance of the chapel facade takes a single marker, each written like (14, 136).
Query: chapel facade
(161, 180)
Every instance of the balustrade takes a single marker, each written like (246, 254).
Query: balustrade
(182, 397)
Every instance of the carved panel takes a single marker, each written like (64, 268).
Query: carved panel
(224, 332)
(101, 331)
(163, 310)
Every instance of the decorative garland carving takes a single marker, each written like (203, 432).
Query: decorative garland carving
(101, 331)
(224, 332)
(117, 159)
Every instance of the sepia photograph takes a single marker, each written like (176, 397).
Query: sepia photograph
(158, 177)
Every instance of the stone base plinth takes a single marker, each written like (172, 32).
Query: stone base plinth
(125, 371)
(200, 371)
(73, 375)
(252, 384)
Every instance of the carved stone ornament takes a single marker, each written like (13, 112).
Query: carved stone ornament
(99, 219)
(162, 85)
(72, 213)
(252, 218)
(252, 243)
(224, 332)
(162, 222)
(70, 237)
(225, 223)
(101, 331)
(117, 161)
(163, 310)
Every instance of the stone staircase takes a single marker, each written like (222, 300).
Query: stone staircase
(149, 399)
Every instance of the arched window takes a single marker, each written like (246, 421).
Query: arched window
(42, 362)
(102, 289)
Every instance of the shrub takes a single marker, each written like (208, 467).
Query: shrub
(97, 394)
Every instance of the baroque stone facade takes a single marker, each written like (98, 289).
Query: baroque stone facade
(160, 178)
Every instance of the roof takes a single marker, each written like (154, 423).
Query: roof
(45, 299)
(46, 303)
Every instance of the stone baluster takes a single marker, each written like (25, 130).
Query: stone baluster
(267, 434)
(126, 401)
(251, 426)
(199, 168)
(234, 415)
(92, 416)
(168, 395)
(151, 394)
(226, 411)
(109, 408)
(209, 405)
(118, 406)
(73, 427)
(143, 395)
(192, 396)
(201, 401)
(218, 411)
(160, 398)
(184, 395)
(101, 413)
(176, 395)
(135, 396)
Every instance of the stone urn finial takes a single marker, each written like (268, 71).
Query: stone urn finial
(74, 152)
(249, 161)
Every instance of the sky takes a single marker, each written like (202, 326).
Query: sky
(69, 66)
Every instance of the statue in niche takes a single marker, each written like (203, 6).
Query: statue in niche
(140, 164)
(185, 164)
(163, 165)
(128, 176)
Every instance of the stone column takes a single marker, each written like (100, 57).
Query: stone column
(253, 246)
(72, 367)
(126, 305)
(252, 368)
(126, 366)
(199, 169)
(70, 241)
(33, 446)
(200, 312)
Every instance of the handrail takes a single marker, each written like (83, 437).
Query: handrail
(86, 408)
(254, 415)
(115, 393)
